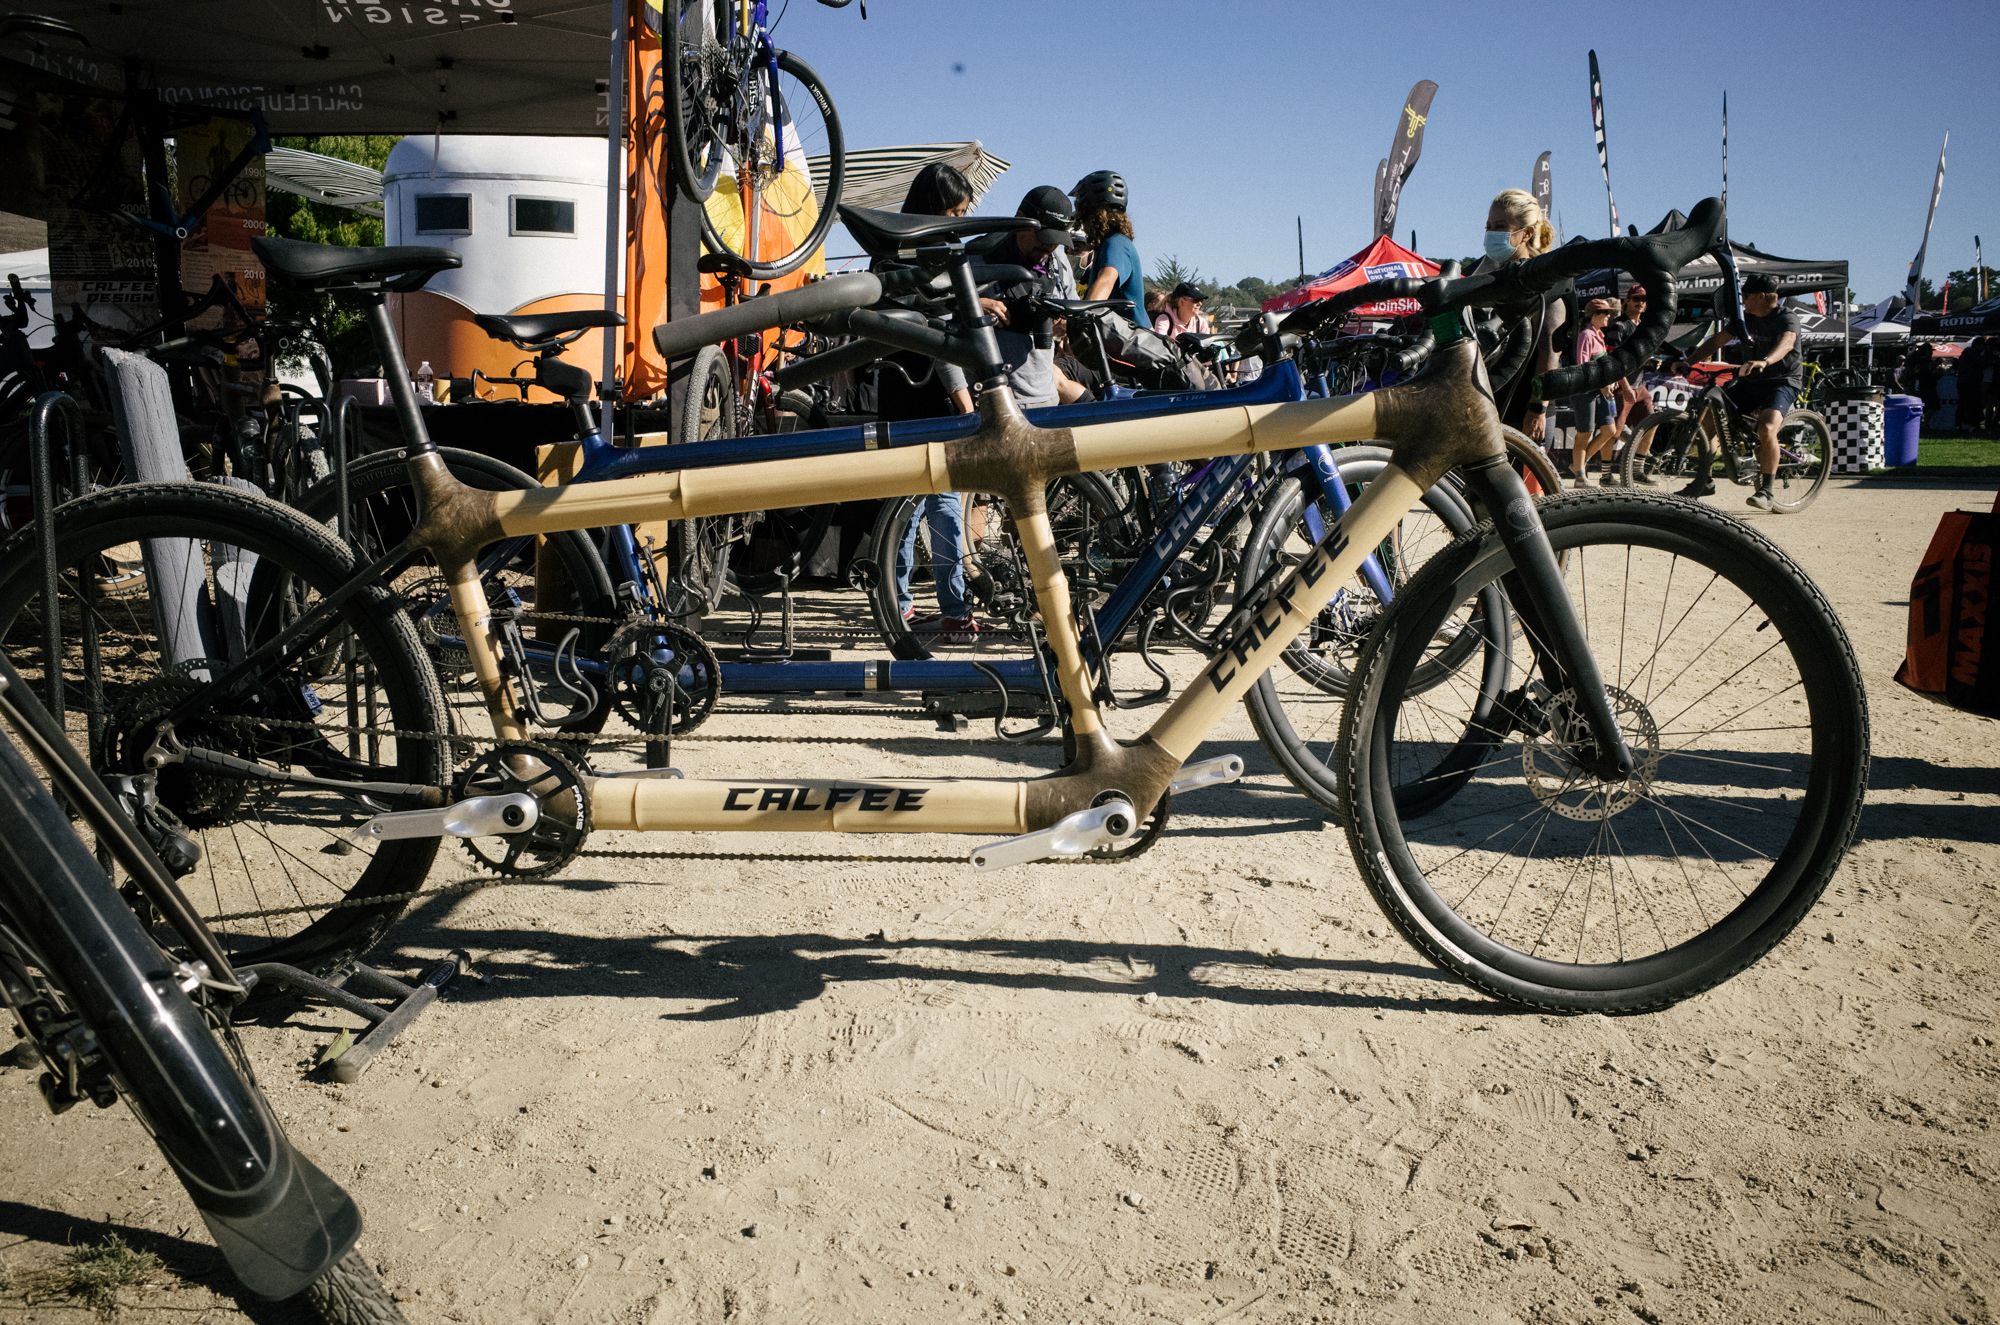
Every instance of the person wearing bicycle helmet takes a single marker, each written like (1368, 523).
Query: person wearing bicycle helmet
(1115, 271)
(1769, 373)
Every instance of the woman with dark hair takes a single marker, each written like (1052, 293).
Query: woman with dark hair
(1107, 230)
(909, 386)
(939, 189)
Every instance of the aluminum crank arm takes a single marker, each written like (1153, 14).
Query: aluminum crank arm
(1103, 825)
(475, 816)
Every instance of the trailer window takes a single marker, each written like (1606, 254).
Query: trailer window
(543, 216)
(444, 213)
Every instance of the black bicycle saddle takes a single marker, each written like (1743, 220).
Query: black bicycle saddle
(901, 234)
(534, 329)
(402, 268)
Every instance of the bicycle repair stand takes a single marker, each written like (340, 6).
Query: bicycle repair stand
(386, 1020)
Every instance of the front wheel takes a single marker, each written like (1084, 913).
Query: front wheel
(1295, 707)
(351, 1293)
(1540, 881)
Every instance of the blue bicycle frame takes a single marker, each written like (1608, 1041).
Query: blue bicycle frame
(1279, 384)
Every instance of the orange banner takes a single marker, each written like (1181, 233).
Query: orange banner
(649, 188)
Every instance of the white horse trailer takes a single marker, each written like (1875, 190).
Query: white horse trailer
(526, 215)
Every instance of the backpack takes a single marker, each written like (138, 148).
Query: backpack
(1145, 357)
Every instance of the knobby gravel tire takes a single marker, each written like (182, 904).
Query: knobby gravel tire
(293, 551)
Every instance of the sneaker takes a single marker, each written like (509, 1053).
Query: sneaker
(1701, 487)
(1613, 479)
(1644, 474)
(1761, 498)
(957, 630)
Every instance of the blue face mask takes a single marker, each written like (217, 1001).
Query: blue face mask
(1500, 245)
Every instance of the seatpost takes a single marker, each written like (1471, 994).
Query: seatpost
(415, 435)
(973, 318)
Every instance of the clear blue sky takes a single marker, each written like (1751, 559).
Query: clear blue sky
(1228, 118)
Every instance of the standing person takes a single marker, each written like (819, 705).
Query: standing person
(1156, 304)
(1516, 229)
(1107, 231)
(1767, 383)
(1596, 415)
(910, 386)
(1971, 386)
(1183, 313)
(1635, 401)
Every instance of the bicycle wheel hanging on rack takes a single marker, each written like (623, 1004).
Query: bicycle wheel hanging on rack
(753, 136)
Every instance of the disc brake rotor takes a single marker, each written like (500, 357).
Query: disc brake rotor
(1558, 778)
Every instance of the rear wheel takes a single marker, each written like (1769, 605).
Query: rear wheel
(1805, 455)
(999, 592)
(268, 863)
(1664, 437)
(773, 211)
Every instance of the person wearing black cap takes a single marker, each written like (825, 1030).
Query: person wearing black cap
(1027, 346)
(1767, 383)
(1183, 313)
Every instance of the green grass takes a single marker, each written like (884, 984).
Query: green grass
(1959, 457)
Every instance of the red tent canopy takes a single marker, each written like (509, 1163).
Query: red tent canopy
(1382, 260)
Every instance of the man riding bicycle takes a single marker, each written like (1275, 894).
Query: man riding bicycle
(1766, 386)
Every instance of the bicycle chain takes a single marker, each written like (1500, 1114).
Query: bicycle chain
(566, 743)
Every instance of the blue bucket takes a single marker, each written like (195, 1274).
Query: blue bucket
(1902, 421)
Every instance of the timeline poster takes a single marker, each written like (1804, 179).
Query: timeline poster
(100, 257)
(219, 243)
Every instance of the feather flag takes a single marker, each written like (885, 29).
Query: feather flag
(1910, 287)
(1543, 187)
(1597, 124)
(1404, 149)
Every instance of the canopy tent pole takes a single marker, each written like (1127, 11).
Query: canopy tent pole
(614, 208)
(1847, 332)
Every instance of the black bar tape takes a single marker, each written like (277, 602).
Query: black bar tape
(683, 336)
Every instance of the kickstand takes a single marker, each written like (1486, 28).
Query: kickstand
(385, 1003)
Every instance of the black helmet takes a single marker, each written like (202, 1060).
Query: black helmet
(1100, 188)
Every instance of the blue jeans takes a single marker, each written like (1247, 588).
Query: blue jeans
(945, 513)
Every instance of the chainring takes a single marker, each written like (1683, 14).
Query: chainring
(556, 784)
(662, 698)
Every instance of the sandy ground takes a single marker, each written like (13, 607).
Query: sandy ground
(1211, 1086)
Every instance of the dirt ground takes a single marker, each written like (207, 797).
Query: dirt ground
(1209, 1086)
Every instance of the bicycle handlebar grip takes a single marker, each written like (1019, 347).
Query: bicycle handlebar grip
(1653, 260)
(1414, 355)
(835, 294)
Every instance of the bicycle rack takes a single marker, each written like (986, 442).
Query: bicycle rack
(53, 408)
(384, 1002)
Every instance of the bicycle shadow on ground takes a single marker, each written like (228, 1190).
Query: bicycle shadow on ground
(745, 975)
(1960, 820)
(197, 1264)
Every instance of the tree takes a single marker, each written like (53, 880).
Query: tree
(1169, 271)
(1965, 287)
(289, 216)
